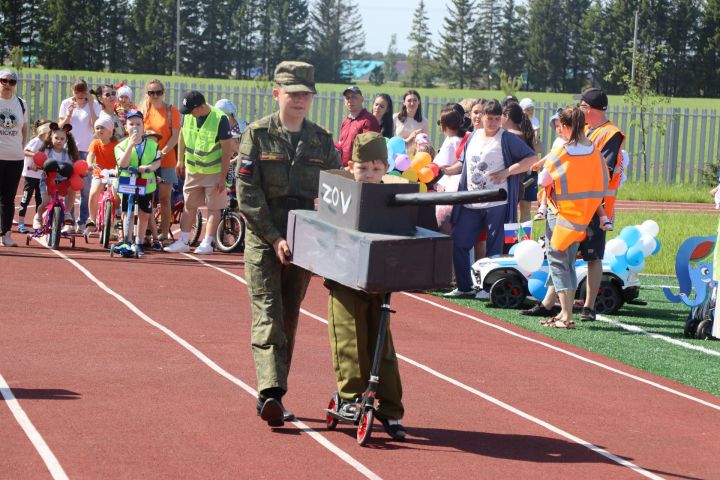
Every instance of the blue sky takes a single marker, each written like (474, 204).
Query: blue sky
(382, 18)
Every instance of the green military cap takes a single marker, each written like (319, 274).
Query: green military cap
(295, 77)
(369, 146)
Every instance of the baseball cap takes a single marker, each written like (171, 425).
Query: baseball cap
(134, 114)
(353, 89)
(594, 97)
(369, 146)
(227, 107)
(295, 77)
(192, 100)
(526, 103)
(8, 73)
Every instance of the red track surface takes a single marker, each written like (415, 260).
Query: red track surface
(115, 397)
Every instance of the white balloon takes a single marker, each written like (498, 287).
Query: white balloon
(647, 244)
(529, 256)
(649, 227)
(616, 247)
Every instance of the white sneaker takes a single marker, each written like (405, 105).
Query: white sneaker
(67, 229)
(204, 249)
(7, 241)
(482, 295)
(37, 222)
(457, 293)
(178, 246)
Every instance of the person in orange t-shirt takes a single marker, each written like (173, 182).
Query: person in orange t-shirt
(165, 120)
(101, 156)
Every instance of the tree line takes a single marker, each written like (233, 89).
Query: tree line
(552, 45)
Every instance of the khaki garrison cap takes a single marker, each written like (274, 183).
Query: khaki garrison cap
(369, 146)
(295, 77)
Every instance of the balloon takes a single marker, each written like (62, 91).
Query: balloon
(637, 268)
(616, 246)
(634, 256)
(619, 265)
(62, 187)
(422, 159)
(646, 244)
(397, 145)
(410, 175)
(50, 183)
(65, 169)
(649, 227)
(512, 249)
(435, 169)
(423, 188)
(631, 235)
(39, 159)
(536, 284)
(80, 167)
(387, 139)
(50, 166)
(657, 247)
(395, 173)
(402, 162)
(391, 163)
(76, 182)
(529, 256)
(425, 175)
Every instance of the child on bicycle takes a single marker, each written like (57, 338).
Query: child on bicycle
(141, 153)
(354, 316)
(32, 174)
(101, 156)
(59, 147)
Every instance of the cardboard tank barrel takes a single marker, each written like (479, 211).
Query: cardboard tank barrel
(365, 236)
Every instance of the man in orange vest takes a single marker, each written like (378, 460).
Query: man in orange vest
(608, 138)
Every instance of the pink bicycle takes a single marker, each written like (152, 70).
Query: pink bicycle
(107, 206)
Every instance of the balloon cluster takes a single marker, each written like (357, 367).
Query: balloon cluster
(627, 252)
(419, 168)
(529, 257)
(71, 174)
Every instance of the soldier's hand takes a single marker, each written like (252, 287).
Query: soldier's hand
(282, 250)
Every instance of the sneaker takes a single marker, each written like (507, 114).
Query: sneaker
(90, 226)
(457, 293)
(37, 222)
(539, 310)
(178, 246)
(482, 295)
(539, 216)
(22, 228)
(68, 219)
(273, 412)
(587, 315)
(204, 249)
(394, 428)
(66, 228)
(288, 416)
(139, 250)
(80, 229)
(7, 241)
(157, 246)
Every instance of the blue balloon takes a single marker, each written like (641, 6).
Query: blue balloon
(637, 268)
(657, 247)
(619, 265)
(634, 256)
(512, 249)
(396, 145)
(631, 235)
(536, 284)
(391, 162)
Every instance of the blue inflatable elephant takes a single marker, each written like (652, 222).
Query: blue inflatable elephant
(694, 270)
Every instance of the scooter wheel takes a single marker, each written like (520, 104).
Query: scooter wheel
(27, 240)
(364, 428)
(334, 406)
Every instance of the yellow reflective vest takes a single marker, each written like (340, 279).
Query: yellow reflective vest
(149, 154)
(203, 153)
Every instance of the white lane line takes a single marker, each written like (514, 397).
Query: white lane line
(344, 456)
(657, 336)
(491, 399)
(567, 352)
(51, 462)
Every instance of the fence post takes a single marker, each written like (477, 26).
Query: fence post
(701, 158)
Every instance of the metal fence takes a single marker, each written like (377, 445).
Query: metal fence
(677, 152)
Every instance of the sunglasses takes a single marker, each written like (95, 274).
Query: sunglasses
(154, 93)
(109, 94)
(8, 81)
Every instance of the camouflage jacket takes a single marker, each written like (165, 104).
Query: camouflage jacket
(273, 178)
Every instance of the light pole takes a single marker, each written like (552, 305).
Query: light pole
(632, 68)
(177, 39)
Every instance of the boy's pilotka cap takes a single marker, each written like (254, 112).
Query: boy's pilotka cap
(295, 77)
(192, 100)
(369, 146)
(594, 97)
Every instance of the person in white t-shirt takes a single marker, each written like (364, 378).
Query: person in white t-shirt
(453, 127)
(81, 110)
(32, 175)
(13, 136)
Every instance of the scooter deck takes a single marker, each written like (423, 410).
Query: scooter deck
(343, 419)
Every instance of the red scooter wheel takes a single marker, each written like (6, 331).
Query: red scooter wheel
(334, 406)
(364, 428)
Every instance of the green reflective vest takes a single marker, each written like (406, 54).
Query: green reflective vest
(149, 154)
(203, 153)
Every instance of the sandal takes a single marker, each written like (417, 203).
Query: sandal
(549, 321)
(567, 324)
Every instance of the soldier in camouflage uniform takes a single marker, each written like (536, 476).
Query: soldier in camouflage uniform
(280, 159)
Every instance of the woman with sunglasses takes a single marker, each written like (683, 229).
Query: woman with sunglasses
(107, 96)
(13, 137)
(165, 120)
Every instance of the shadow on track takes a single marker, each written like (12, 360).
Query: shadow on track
(44, 394)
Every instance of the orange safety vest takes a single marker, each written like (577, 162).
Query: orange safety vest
(600, 136)
(577, 190)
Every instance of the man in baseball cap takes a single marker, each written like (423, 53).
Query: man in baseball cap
(594, 98)
(192, 100)
(358, 121)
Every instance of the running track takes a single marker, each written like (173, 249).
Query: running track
(142, 369)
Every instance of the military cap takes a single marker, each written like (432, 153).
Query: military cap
(369, 146)
(295, 77)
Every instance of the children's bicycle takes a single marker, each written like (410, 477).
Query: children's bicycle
(53, 218)
(133, 186)
(178, 205)
(107, 205)
(230, 234)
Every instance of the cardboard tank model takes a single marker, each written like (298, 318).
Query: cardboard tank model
(365, 236)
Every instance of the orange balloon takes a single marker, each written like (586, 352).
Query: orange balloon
(410, 174)
(425, 175)
(420, 160)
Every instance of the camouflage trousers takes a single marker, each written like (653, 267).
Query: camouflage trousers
(353, 326)
(276, 293)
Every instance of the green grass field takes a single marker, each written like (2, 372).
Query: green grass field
(694, 368)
